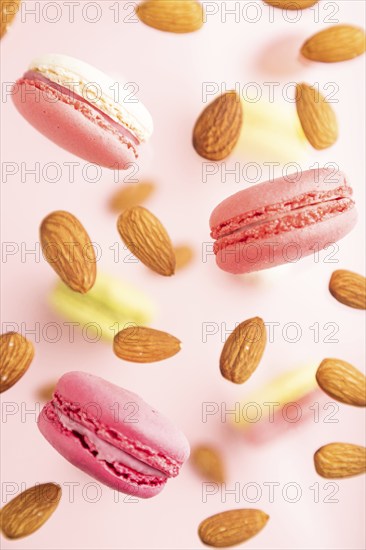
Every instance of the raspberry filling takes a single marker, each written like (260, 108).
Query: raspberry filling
(126, 457)
(56, 92)
(297, 213)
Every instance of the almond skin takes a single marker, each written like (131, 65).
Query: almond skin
(177, 16)
(16, 355)
(8, 10)
(208, 463)
(45, 392)
(348, 288)
(243, 350)
(28, 511)
(67, 248)
(291, 4)
(338, 43)
(131, 195)
(231, 527)
(342, 382)
(145, 345)
(184, 256)
(317, 117)
(147, 239)
(337, 460)
(218, 128)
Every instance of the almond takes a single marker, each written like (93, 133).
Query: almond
(348, 288)
(28, 511)
(147, 239)
(208, 463)
(342, 381)
(8, 10)
(16, 355)
(131, 195)
(218, 128)
(184, 255)
(337, 460)
(291, 4)
(45, 392)
(178, 16)
(243, 350)
(337, 43)
(145, 345)
(67, 248)
(317, 117)
(231, 527)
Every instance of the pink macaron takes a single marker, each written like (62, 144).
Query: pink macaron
(113, 435)
(282, 220)
(83, 110)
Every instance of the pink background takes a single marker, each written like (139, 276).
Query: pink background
(170, 70)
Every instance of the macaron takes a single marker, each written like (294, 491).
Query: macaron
(83, 110)
(270, 131)
(282, 221)
(283, 403)
(111, 305)
(113, 435)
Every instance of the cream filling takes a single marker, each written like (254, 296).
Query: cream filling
(97, 89)
(106, 451)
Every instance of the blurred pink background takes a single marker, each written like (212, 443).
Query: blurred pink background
(170, 71)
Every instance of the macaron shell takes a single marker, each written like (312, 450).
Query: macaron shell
(122, 304)
(71, 449)
(71, 72)
(271, 131)
(267, 429)
(69, 128)
(287, 247)
(276, 191)
(125, 412)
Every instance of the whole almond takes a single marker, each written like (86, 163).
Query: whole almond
(337, 43)
(337, 460)
(8, 10)
(218, 128)
(131, 195)
(291, 4)
(183, 255)
(16, 355)
(147, 239)
(28, 511)
(178, 16)
(243, 350)
(231, 527)
(145, 345)
(342, 382)
(67, 248)
(317, 117)
(348, 288)
(208, 462)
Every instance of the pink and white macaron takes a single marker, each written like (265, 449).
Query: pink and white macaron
(282, 220)
(83, 110)
(113, 435)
